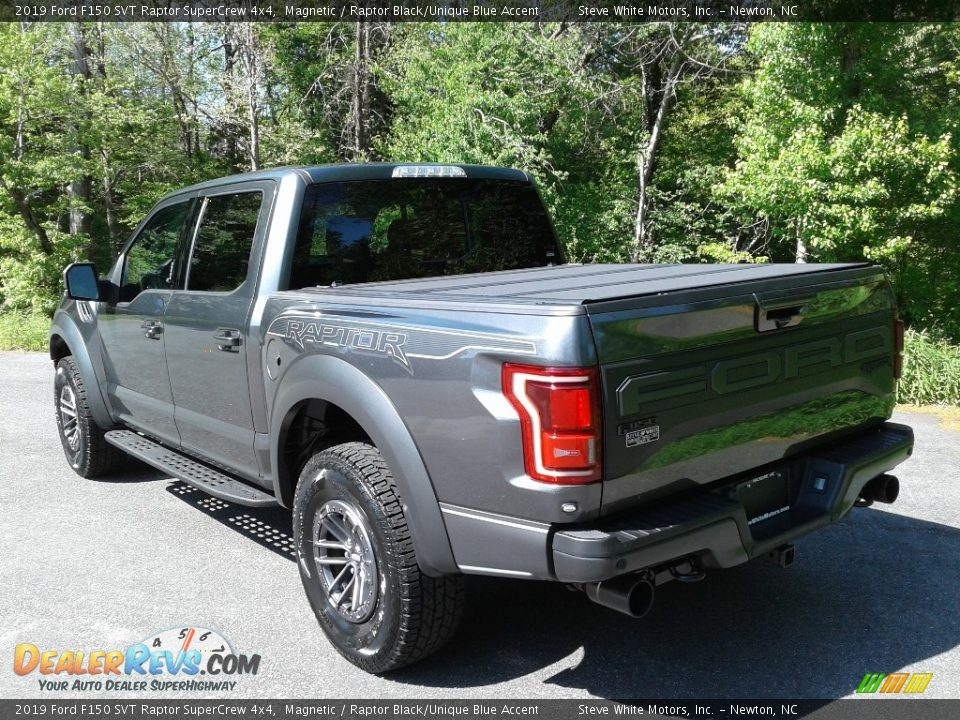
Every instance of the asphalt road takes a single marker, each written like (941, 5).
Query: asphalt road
(101, 564)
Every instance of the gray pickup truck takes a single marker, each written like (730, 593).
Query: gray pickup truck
(400, 354)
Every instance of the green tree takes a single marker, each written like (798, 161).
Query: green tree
(324, 88)
(37, 162)
(532, 97)
(833, 161)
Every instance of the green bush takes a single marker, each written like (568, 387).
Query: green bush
(31, 282)
(23, 331)
(931, 371)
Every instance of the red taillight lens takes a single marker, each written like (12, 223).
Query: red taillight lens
(562, 406)
(559, 411)
(897, 349)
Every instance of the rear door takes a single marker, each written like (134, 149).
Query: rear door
(206, 328)
(132, 330)
(703, 384)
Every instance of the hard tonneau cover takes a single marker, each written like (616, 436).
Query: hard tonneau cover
(566, 285)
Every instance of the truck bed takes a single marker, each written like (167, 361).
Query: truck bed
(706, 371)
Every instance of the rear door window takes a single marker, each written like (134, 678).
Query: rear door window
(221, 250)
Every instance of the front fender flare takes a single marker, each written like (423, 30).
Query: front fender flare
(330, 379)
(66, 328)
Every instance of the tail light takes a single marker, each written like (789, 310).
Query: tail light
(897, 349)
(559, 412)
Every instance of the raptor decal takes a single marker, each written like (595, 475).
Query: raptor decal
(369, 340)
(398, 343)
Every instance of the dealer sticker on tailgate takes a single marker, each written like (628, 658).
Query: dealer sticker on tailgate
(642, 436)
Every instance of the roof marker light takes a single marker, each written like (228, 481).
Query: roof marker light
(408, 171)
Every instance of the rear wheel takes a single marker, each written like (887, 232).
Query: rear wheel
(83, 441)
(358, 565)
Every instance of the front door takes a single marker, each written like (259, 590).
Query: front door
(205, 331)
(132, 330)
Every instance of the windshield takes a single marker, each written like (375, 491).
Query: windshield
(371, 230)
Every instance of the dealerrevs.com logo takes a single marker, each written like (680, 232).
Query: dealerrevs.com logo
(179, 659)
(894, 683)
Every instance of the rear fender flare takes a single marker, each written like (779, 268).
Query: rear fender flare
(330, 379)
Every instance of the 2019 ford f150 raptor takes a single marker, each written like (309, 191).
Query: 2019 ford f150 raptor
(400, 354)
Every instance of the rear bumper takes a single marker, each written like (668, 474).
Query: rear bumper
(713, 524)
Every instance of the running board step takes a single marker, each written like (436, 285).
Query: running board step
(190, 471)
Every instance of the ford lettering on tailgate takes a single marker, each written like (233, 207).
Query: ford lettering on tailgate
(752, 371)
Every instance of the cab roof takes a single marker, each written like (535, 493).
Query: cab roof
(357, 171)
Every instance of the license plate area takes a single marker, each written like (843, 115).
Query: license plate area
(767, 500)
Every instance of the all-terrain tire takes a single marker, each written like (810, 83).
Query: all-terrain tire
(84, 442)
(347, 499)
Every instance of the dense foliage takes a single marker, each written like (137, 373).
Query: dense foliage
(931, 372)
(655, 142)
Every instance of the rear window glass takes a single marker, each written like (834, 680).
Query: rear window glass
(365, 231)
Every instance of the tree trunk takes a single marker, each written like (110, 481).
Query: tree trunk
(229, 83)
(79, 189)
(851, 87)
(641, 233)
(166, 68)
(254, 114)
(109, 201)
(106, 168)
(250, 58)
(642, 246)
(801, 254)
(363, 140)
(360, 93)
(192, 108)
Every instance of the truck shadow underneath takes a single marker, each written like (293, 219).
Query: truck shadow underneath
(876, 592)
(133, 472)
(267, 527)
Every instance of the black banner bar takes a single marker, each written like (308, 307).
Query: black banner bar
(633, 11)
(866, 708)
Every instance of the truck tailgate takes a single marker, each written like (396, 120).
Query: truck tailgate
(705, 379)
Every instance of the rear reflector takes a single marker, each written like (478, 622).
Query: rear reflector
(559, 411)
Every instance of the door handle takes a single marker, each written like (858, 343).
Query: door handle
(228, 339)
(780, 311)
(153, 329)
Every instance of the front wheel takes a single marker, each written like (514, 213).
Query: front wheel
(84, 442)
(358, 565)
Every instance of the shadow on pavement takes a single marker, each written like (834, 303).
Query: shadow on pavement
(133, 471)
(875, 593)
(267, 527)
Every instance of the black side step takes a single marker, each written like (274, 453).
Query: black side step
(189, 471)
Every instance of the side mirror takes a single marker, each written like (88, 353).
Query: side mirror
(81, 281)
